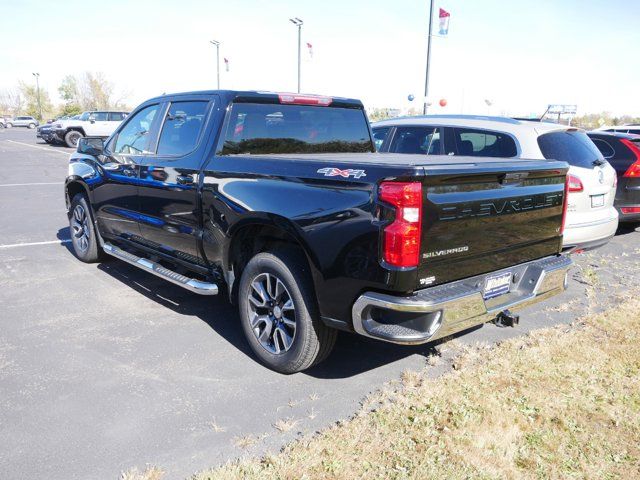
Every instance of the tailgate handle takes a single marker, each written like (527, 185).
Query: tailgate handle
(515, 177)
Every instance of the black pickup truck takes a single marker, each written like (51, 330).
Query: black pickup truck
(280, 202)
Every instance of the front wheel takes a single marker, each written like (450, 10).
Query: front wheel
(32, 126)
(279, 315)
(72, 138)
(9, 125)
(83, 232)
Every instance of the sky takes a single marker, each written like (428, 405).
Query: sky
(520, 54)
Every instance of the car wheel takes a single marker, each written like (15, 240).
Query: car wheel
(71, 138)
(279, 315)
(83, 232)
(9, 125)
(32, 126)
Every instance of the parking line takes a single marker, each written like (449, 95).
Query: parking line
(28, 184)
(32, 244)
(38, 147)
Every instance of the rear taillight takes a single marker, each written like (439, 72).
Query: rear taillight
(628, 210)
(401, 243)
(634, 169)
(565, 203)
(574, 184)
(296, 99)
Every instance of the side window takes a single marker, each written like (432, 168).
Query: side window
(379, 136)
(420, 140)
(182, 127)
(634, 131)
(99, 116)
(133, 139)
(116, 117)
(484, 143)
(604, 147)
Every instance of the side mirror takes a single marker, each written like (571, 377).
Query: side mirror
(92, 119)
(91, 146)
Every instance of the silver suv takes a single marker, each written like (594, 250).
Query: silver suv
(23, 121)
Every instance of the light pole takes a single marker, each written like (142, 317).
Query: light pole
(217, 44)
(37, 75)
(426, 80)
(298, 23)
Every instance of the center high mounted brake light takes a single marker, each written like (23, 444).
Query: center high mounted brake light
(401, 243)
(295, 99)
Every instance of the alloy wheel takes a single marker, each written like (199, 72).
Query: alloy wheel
(272, 313)
(79, 225)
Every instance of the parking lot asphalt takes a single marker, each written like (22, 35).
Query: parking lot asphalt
(104, 367)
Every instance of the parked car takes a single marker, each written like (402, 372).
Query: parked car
(622, 151)
(592, 219)
(46, 132)
(2, 123)
(23, 121)
(280, 202)
(89, 124)
(632, 128)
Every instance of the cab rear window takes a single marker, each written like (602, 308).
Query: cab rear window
(275, 128)
(573, 147)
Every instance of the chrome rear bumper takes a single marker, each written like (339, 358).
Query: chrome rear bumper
(443, 310)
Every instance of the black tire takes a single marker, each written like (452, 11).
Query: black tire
(72, 137)
(312, 339)
(9, 125)
(86, 247)
(32, 126)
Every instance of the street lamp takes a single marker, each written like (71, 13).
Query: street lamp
(217, 44)
(37, 75)
(426, 77)
(298, 23)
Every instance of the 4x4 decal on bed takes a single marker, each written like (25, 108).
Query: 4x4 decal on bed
(334, 172)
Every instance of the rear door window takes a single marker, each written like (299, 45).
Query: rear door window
(416, 140)
(182, 127)
(604, 147)
(571, 146)
(484, 143)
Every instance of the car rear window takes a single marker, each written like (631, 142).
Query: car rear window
(274, 128)
(573, 147)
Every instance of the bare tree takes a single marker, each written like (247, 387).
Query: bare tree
(89, 91)
(11, 101)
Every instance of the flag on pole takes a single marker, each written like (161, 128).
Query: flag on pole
(310, 47)
(226, 64)
(444, 22)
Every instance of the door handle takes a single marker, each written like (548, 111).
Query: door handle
(184, 180)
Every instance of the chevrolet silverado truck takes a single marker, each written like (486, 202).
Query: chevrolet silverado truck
(279, 202)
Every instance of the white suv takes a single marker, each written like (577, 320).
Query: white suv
(89, 124)
(591, 218)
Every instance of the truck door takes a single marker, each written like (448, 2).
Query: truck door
(116, 200)
(168, 187)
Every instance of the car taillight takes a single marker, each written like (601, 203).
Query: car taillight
(574, 184)
(297, 99)
(565, 203)
(401, 243)
(634, 169)
(628, 210)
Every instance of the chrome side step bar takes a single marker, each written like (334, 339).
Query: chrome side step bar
(191, 284)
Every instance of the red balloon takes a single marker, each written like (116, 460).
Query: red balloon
(443, 102)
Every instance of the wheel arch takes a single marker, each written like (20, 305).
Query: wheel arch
(256, 235)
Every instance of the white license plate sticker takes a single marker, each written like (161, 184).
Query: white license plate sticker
(597, 201)
(497, 285)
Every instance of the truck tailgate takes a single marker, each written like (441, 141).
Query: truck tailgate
(482, 219)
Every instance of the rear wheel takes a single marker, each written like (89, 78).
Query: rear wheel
(279, 315)
(83, 233)
(72, 137)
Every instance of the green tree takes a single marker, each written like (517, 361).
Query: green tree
(34, 105)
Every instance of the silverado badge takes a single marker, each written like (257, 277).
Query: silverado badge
(349, 172)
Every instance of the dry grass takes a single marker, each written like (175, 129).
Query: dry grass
(150, 473)
(560, 403)
(285, 425)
